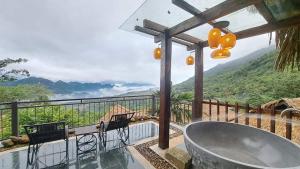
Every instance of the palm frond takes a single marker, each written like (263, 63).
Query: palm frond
(288, 43)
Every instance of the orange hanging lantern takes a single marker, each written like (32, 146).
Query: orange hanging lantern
(190, 60)
(220, 54)
(214, 37)
(228, 41)
(157, 53)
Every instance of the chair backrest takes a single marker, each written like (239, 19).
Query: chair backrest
(41, 133)
(119, 121)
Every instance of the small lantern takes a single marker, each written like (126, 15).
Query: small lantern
(220, 54)
(228, 41)
(214, 37)
(157, 53)
(190, 60)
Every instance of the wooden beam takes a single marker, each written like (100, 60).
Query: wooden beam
(259, 30)
(156, 34)
(165, 91)
(194, 11)
(270, 27)
(222, 9)
(160, 28)
(264, 11)
(146, 31)
(186, 6)
(198, 91)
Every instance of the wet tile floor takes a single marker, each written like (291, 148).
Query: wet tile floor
(52, 155)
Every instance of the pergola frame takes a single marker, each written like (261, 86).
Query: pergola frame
(176, 34)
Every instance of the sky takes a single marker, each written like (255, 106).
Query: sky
(80, 40)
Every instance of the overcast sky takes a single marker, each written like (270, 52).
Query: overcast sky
(80, 40)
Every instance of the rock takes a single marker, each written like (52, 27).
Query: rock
(24, 139)
(15, 139)
(8, 143)
(133, 119)
(19, 140)
(180, 158)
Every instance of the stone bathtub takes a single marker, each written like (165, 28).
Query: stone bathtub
(221, 145)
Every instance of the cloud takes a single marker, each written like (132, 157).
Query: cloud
(81, 41)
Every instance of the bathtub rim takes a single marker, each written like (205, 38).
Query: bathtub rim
(232, 160)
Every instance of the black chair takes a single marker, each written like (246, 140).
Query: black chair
(42, 133)
(118, 122)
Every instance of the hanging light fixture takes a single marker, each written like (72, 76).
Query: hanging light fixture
(157, 53)
(228, 41)
(220, 54)
(214, 37)
(190, 60)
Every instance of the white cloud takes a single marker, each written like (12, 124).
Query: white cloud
(81, 41)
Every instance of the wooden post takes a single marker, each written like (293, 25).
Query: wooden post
(218, 110)
(272, 122)
(14, 119)
(209, 109)
(165, 91)
(247, 114)
(226, 111)
(288, 125)
(258, 117)
(236, 111)
(198, 95)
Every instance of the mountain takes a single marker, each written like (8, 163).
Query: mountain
(61, 87)
(188, 85)
(249, 79)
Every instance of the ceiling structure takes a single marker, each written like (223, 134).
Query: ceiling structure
(189, 21)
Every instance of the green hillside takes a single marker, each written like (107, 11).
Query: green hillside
(255, 81)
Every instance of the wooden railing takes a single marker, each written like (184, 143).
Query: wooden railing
(243, 114)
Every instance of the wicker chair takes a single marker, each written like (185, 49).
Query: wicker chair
(42, 133)
(119, 122)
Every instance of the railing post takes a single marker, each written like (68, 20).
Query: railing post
(153, 105)
(226, 111)
(247, 113)
(258, 117)
(218, 110)
(288, 131)
(272, 122)
(14, 119)
(209, 109)
(236, 111)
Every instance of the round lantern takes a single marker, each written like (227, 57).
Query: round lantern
(190, 60)
(228, 41)
(214, 37)
(157, 53)
(220, 54)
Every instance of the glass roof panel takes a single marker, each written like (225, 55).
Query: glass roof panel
(283, 9)
(168, 14)
(203, 5)
(159, 11)
(244, 19)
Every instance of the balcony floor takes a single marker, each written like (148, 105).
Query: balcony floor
(51, 155)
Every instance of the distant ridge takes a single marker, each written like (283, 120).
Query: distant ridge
(61, 87)
(188, 85)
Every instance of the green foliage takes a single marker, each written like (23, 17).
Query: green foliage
(9, 75)
(255, 82)
(23, 92)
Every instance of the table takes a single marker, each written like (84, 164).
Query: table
(86, 141)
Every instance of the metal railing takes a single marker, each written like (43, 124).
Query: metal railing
(75, 112)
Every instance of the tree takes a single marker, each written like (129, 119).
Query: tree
(13, 74)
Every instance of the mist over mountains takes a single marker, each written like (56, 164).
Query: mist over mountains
(76, 89)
